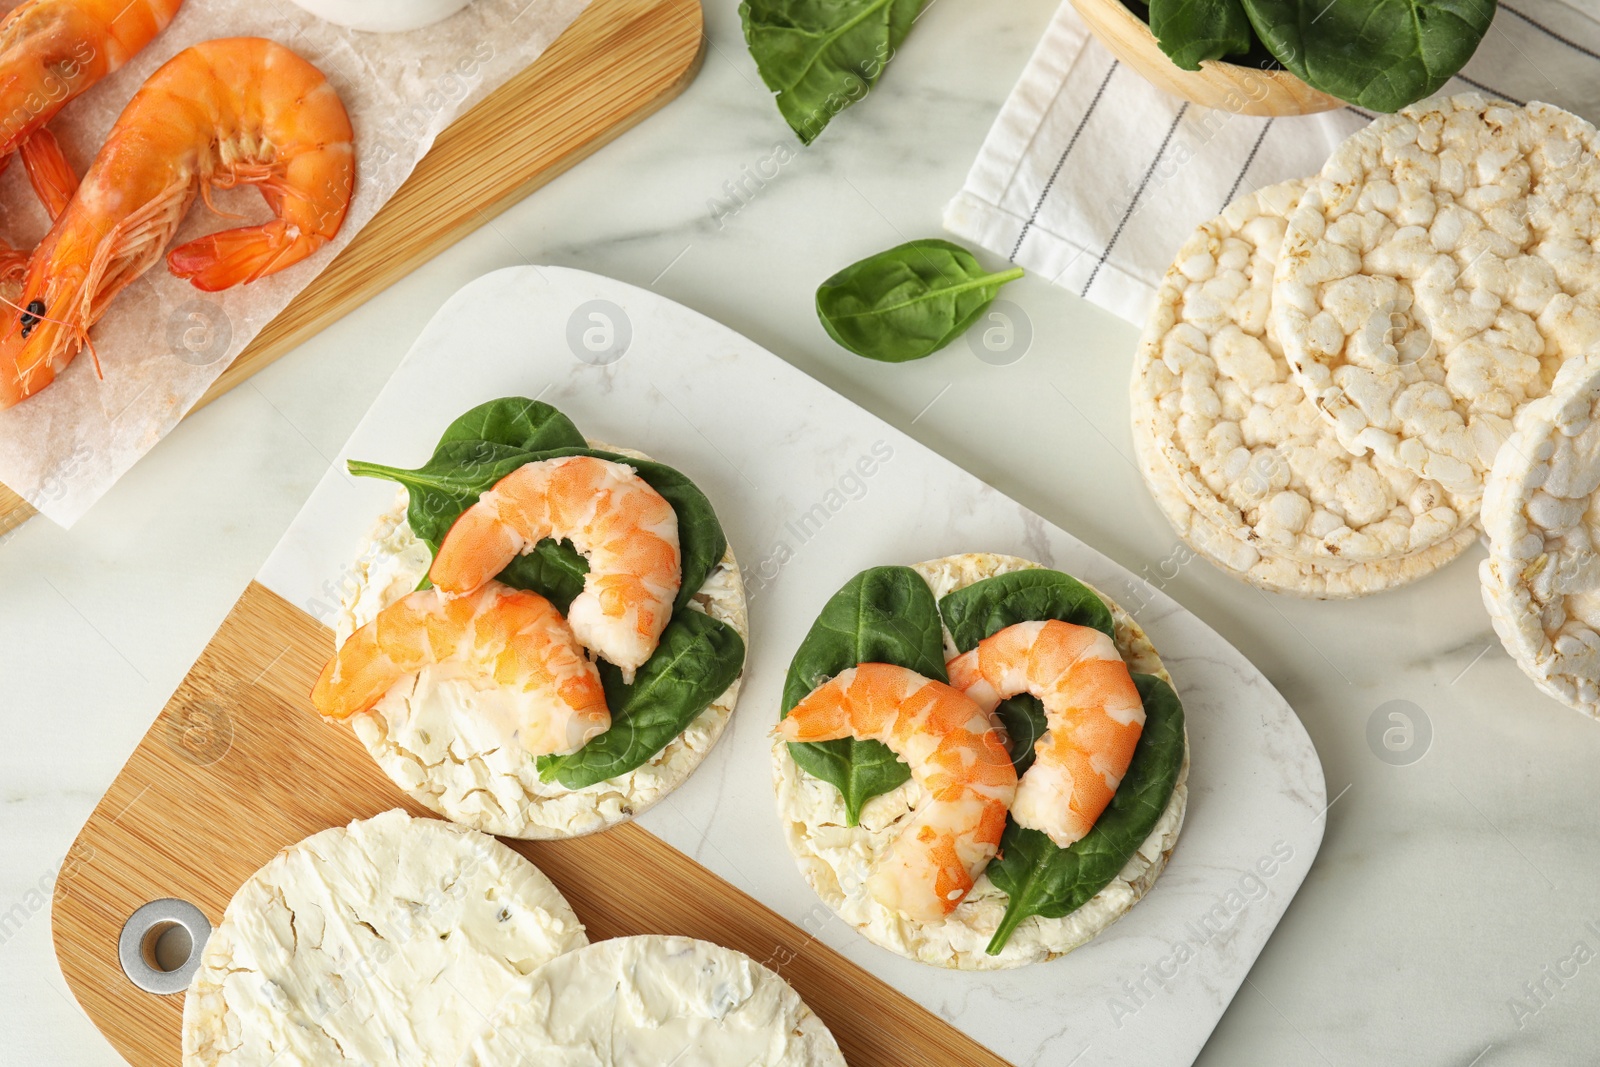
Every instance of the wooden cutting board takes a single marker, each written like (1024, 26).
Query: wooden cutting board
(238, 766)
(617, 63)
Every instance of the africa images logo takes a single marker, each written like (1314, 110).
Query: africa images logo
(1540, 991)
(1223, 914)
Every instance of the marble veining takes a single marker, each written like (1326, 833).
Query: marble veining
(1443, 885)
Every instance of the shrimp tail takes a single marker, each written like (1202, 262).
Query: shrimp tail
(233, 257)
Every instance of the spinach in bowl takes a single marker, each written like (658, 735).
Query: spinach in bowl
(1376, 54)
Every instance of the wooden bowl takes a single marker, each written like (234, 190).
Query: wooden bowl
(1226, 86)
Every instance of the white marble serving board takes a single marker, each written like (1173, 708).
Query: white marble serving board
(780, 457)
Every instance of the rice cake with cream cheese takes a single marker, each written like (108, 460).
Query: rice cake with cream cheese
(377, 942)
(836, 859)
(648, 1000)
(446, 742)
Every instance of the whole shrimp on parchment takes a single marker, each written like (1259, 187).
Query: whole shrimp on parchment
(224, 113)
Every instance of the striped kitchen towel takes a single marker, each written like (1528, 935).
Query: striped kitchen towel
(1092, 176)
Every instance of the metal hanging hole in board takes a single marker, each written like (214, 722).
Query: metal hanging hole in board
(161, 944)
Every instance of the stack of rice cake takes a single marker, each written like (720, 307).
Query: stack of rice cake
(1341, 373)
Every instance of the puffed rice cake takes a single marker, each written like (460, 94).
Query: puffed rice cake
(1541, 582)
(1437, 274)
(835, 859)
(424, 737)
(1240, 461)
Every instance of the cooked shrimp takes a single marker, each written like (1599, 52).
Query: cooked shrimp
(955, 752)
(1092, 710)
(51, 51)
(238, 111)
(627, 530)
(506, 637)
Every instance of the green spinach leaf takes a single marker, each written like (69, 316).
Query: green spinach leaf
(821, 56)
(908, 302)
(1193, 30)
(449, 483)
(1024, 719)
(518, 422)
(882, 615)
(554, 569)
(987, 607)
(474, 452)
(1376, 54)
(697, 659)
(1043, 879)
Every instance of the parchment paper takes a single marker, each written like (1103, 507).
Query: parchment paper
(163, 342)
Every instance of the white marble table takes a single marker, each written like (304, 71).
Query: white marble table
(1443, 885)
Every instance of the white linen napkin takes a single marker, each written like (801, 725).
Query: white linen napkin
(1092, 176)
